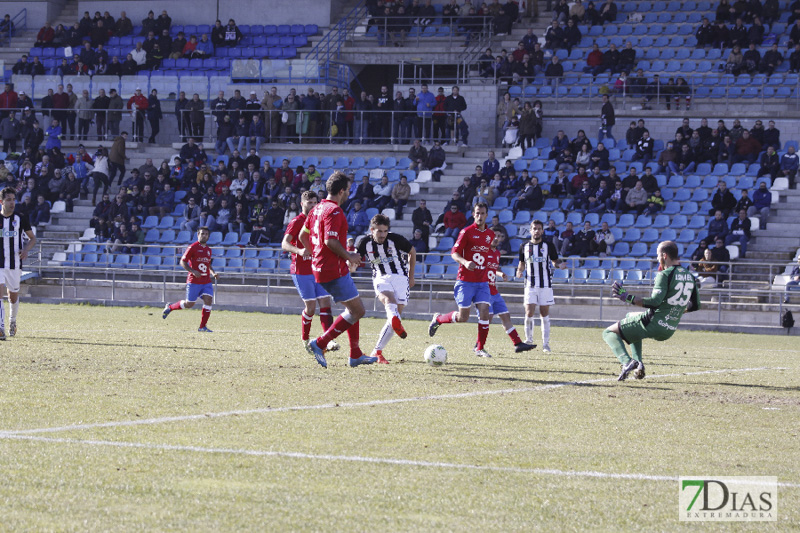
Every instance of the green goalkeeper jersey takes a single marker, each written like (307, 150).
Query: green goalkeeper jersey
(674, 292)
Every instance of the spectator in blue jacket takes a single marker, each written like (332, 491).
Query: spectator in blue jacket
(204, 49)
(165, 201)
(762, 199)
(41, 213)
(560, 142)
(718, 227)
(425, 101)
(357, 219)
(740, 232)
(257, 132)
(53, 136)
(789, 164)
(491, 166)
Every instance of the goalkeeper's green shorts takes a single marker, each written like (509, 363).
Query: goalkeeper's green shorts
(637, 326)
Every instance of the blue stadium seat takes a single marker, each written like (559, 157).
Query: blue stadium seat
(625, 221)
(597, 275)
(609, 218)
(649, 235)
(152, 235)
(621, 249)
(167, 236)
(579, 275)
(689, 208)
(643, 221)
(632, 235)
(661, 221)
(215, 238)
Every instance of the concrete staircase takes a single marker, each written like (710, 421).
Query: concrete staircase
(778, 243)
(23, 40)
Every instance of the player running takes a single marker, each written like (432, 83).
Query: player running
(497, 306)
(11, 256)
(196, 261)
(472, 285)
(392, 259)
(536, 259)
(674, 292)
(310, 291)
(325, 230)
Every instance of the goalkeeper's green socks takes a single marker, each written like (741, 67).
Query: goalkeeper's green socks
(636, 350)
(617, 346)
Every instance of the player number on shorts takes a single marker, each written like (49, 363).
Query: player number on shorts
(479, 260)
(683, 293)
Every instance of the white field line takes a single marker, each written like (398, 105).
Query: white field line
(356, 459)
(222, 414)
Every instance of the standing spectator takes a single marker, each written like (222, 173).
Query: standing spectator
(99, 175)
(53, 136)
(454, 106)
(607, 120)
(100, 107)
(197, 119)
(83, 107)
(256, 132)
(115, 105)
(182, 116)
(9, 131)
(225, 133)
(8, 100)
(138, 105)
(426, 101)
(116, 159)
(154, 115)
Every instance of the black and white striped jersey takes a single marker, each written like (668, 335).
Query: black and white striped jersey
(538, 259)
(390, 257)
(14, 227)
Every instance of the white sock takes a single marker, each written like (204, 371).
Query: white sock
(2, 315)
(391, 310)
(546, 329)
(385, 335)
(530, 325)
(14, 308)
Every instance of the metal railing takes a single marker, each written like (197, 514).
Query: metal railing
(18, 22)
(402, 31)
(330, 46)
(573, 87)
(329, 73)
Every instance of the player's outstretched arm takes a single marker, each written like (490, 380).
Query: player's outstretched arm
(621, 293)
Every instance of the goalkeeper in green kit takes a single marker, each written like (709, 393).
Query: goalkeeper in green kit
(674, 292)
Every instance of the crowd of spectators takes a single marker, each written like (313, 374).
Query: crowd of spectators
(86, 42)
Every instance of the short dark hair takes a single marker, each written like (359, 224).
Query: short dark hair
(669, 248)
(6, 191)
(481, 204)
(336, 183)
(380, 220)
(201, 228)
(308, 195)
(537, 222)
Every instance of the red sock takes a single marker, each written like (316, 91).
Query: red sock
(352, 336)
(305, 322)
(177, 305)
(483, 332)
(514, 336)
(339, 326)
(325, 318)
(206, 313)
(448, 318)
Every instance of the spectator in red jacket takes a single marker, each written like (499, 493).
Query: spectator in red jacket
(44, 38)
(454, 220)
(594, 59)
(747, 149)
(138, 103)
(8, 101)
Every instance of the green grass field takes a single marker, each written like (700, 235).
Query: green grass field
(113, 419)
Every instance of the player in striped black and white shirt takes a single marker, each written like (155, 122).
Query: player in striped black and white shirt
(536, 259)
(12, 253)
(392, 259)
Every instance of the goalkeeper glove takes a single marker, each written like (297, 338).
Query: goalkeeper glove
(619, 292)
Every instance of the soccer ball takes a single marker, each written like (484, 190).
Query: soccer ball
(435, 355)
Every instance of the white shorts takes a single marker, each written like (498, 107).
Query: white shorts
(10, 278)
(396, 284)
(538, 296)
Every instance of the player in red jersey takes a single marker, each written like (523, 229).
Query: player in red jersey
(197, 261)
(497, 306)
(472, 285)
(308, 288)
(325, 233)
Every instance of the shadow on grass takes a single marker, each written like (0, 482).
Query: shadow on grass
(61, 340)
(763, 387)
